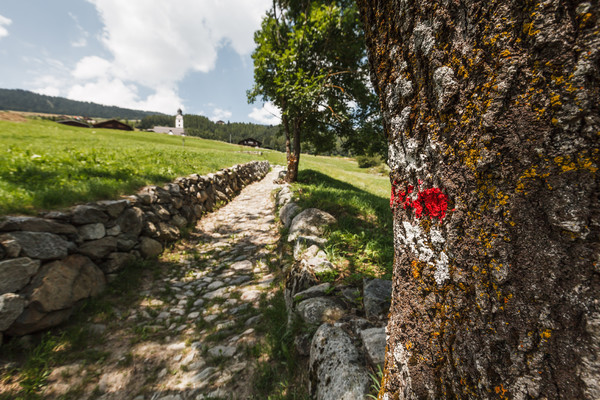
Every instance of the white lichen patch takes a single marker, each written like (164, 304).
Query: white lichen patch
(442, 272)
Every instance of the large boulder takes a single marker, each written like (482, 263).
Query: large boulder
(288, 212)
(91, 231)
(33, 224)
(374, 341)
(98, 249)
(16, 273)
(41, 245)
(317, 310)
(131, 221)
(377, 294)
(60, 284)
(336, 368)
(32, 320)
(88, 214)
(310, 222)
(150, 248)
(11, 306)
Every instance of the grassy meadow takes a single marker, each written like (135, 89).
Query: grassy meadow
(45, 165)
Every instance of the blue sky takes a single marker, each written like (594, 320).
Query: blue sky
(154, 55)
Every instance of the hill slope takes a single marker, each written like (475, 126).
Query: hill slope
(23, 100)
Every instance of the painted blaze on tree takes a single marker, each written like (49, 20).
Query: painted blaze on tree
(493, 105)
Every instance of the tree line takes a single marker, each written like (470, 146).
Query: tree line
(23, 100)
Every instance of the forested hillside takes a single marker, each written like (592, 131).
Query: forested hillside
(23, 100)
(233, 132)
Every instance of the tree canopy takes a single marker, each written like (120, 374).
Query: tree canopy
(310, 61)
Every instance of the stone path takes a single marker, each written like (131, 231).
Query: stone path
(190, 335)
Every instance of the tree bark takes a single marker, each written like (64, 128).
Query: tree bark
(492, 115)
(294, 156)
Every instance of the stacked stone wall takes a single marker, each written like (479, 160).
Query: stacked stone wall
(50, 263)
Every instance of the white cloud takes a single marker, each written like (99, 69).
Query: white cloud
(91, 67)
(269, 114)
(220, 114)
(155, 43)
(116, 92)
(4, 22)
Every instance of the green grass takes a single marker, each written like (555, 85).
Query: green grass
(45, 165)
(360, 243)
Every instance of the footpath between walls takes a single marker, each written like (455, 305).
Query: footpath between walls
(50, 263)
(344, 335)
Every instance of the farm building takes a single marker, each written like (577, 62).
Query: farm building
(72, 122)
(113, 124)
(250, 142)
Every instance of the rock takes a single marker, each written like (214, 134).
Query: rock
(320, 265)
(131, 221)
(11, 247)
(303, 242)
(16, 273)
(11, 306)
(114, 231)
(300, 277)
(117, 261)
(288, 212)
(88, 214)
(150, 248)
(314, 291)
(374, 342)
(114, 207)
(222, 351)
(126, 242)
(377, 295)
(284, 196)
(335, 369)
(60, 284)
(41, 245)
(242, 266)
(168, 232)
(32, 224)
(99, 249)
(204, 375)
(32, 320)
(320, 309)
(310, 222)
(162, 212)
(215, 285)
(179, 221)
(91, 231)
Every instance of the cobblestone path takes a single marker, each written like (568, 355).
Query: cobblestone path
(191, 329)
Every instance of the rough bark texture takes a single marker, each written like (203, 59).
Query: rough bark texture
(492, 114)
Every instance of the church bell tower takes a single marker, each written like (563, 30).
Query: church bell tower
(179, 119)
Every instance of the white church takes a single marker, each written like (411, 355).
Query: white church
(177, 130)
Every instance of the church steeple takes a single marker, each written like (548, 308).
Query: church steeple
(179, 119)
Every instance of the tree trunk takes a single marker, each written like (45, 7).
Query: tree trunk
(493, 122)
(294, 158)
(288, 146)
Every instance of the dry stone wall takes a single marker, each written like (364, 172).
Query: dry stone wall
(49, 263)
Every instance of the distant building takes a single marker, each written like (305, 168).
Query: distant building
(220, 122)
(169, 130)
(178, 130)
(179, 119)
(113, 124)
(72, 122)
(250, 142)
